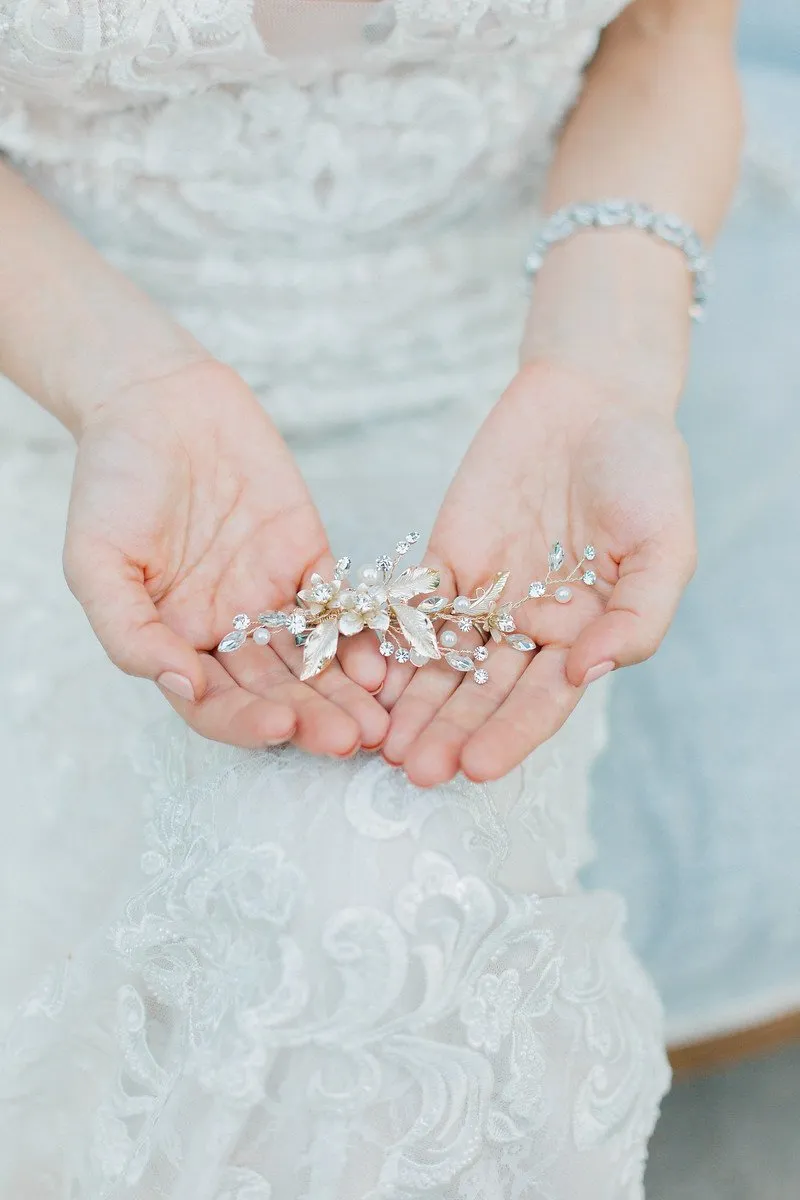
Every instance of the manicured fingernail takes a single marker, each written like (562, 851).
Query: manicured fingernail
(595, 673)
(179, 685)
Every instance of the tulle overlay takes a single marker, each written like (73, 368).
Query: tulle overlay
(266, 977)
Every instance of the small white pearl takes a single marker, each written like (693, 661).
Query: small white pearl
(448, 639)
(261, 637)
(563, 595)
(369, 575)
(461, 604)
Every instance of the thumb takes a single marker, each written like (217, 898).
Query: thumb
(111, 591)
(637, 616)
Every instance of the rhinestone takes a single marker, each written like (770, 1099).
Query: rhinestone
(383, 562)
(480, 654)
(401, 548)
(232, 641)
(273, 620)
(481, 676)
(296, 622)
(412, 537)
(536, 589)
(461, 662)
(402, 656)
(465, 624)
(589, 552)
(432, 604)
(343, 564)
(563, 595)
(521, 641)
(386, 649)
(590, 578)
(241, 621)
(506, 623)
(262, 636)
(322, 593)
(448, 639)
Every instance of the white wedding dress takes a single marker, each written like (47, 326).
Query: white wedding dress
(267, 977)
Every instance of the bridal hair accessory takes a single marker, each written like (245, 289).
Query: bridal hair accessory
(328, 609)
(607, 214)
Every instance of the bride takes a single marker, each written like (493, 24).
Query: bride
(263, 264)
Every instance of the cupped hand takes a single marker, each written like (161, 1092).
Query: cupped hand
(557, 459)
(187, 508)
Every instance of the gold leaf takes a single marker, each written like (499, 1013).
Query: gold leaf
(320, 649)
(491, 593)
(418, 630)
(414, 581)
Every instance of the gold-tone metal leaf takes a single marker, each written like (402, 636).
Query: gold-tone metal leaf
(320, 649)
(414, 581)
(417, 629)
(490, 594)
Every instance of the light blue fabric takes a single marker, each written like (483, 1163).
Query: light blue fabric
(697, 811)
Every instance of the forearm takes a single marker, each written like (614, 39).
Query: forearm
(659, 122)
(72, 329)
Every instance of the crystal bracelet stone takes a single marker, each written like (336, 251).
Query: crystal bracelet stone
(608, 214)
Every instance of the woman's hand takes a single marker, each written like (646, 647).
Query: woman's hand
(187, 507)
(557, 459)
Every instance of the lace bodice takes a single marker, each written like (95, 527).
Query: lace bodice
(306, 184)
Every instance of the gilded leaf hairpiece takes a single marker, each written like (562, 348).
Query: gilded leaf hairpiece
(382, 601)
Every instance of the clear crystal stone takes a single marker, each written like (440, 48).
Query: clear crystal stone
(536, 589)
(383, 562)
(262, 636)
(386, 649)
(232, 641)
(241, 621)
(343, 564)
(590, 578)
(296, 622)
(401, 548)
(273, 620)
(480, 654)
(432, 604)
(481, 676)
(465, 624)
(402, 656)
(589, 552)
(322, 593)
(460, 662)
(521, 641)
(506, 623)
(555, 558)
(412, 537)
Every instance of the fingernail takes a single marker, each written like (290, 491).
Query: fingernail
(179, 685)
(595, 673)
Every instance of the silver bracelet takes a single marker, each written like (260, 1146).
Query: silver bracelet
(607, 214)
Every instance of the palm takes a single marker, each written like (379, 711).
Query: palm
(584, 472)
(188, 485)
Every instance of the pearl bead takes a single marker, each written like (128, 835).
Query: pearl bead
(563, 595)
(448, 639)
(369, 575)
(461, 604)
(261, 637)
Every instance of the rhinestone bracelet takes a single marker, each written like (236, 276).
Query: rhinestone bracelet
(607, 214)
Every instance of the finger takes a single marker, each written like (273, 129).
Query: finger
(535, 709)
(322, 727)
(637, 616)
(228, 713)
(435, 756)
(362, 661)
(111, 591)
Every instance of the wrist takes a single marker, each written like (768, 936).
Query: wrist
(613, 305)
